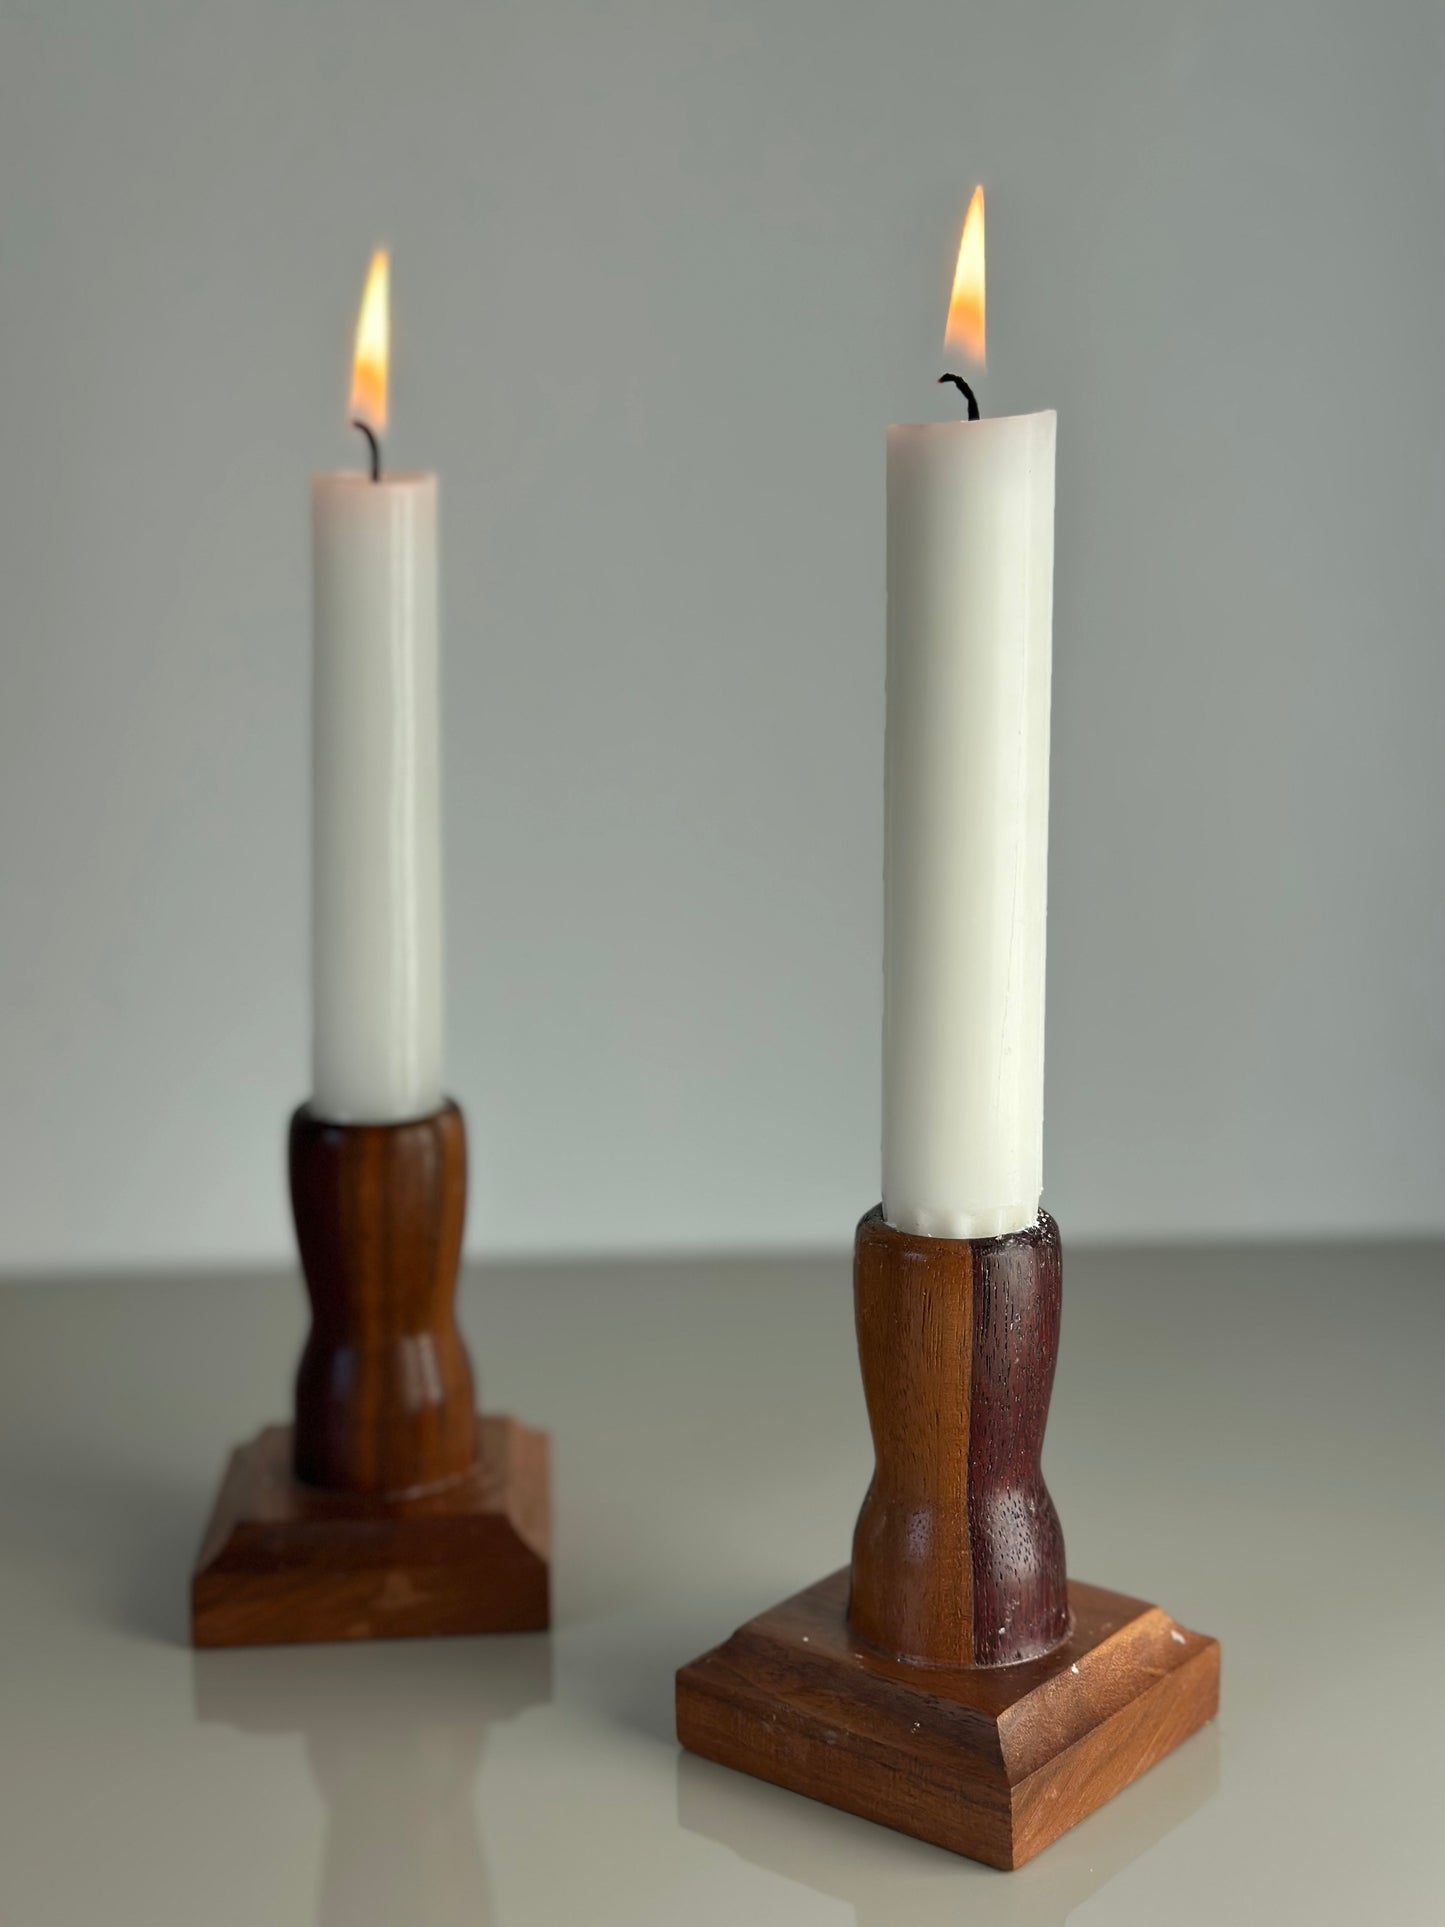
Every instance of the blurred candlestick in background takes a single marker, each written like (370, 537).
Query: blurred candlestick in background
(966, 794)
(376, 807)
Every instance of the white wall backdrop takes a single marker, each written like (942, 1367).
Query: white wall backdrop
(663, 270)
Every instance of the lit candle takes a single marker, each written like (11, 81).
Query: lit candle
(966, 798)
(376, 852)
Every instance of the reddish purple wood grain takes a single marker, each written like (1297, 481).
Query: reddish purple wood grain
(1020, 1592)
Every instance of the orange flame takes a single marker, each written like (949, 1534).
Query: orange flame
(373, 332)
(965, 330)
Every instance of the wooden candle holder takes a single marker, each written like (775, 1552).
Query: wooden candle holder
(389, 1508)
(955, 1685)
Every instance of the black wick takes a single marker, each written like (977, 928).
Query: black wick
(963, 388)
(375, 446)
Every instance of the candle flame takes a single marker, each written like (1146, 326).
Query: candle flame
(965, 330)
(373, 331)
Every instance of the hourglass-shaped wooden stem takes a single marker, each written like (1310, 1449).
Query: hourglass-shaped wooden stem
(958, 1559)
(384, 1396)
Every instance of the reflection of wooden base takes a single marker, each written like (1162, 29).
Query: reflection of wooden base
(284, 1562)
(993, 1762)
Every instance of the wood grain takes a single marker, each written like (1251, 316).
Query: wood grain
(993, 1762)
(389, 1509)
(958, 1556)
(385, 1402)
(283, 1561)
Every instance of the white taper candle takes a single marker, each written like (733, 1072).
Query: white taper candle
(376, 848)
(970, 622)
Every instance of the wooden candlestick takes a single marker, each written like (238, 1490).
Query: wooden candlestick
(389, 1508)
(954, 1685)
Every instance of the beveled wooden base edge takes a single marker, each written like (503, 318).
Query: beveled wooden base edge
(283, 1563)
(991, 1762)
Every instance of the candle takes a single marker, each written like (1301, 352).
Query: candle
(966, 792)
(376, 847)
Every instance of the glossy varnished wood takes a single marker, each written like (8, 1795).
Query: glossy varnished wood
(993, 1762)
(388, 1508)
(385, 1402)
(958, 1558)
(952, 1683)
(283, 1561)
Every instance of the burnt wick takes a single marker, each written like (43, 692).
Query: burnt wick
(375, 447)
(963, 388)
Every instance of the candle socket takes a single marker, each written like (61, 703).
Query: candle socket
(954, 1684)
(389, 1508)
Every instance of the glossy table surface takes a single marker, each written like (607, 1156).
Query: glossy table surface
(1251, 1438)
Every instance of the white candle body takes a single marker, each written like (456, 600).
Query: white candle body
(376, 962)
(966, 805)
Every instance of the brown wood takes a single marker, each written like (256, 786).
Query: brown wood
(952, 1683)
(958, 1558)
(384, 1395)
(389, 1508)
(989, 1761)
(284, 1562)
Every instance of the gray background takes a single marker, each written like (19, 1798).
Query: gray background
(663, 272)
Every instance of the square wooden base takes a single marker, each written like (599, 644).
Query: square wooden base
(283, 1562)
(993, 1762)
